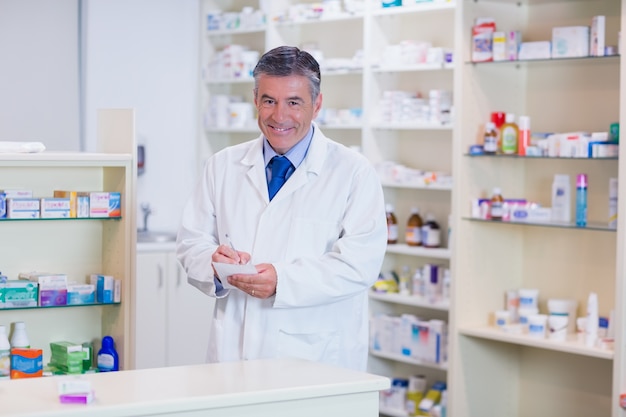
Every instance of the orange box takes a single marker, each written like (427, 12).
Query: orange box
(26, 363)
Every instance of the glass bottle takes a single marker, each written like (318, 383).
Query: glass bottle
(392, 225)
(431, 233)
(413, 233)
(496, 207)
(490, 141)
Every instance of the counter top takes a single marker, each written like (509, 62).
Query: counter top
(273, 387)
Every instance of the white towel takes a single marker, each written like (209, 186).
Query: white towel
(21, 147)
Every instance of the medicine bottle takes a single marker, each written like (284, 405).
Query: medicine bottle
(581, 200)
(431, 233)
(490, 142)
(523, 141)
(19, 338)
(413, 233)
(392, 225)
(108, 359)
(496, 206)
(405, 281)
(5, 354)
(510, 134)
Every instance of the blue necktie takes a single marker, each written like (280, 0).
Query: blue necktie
(279, 166)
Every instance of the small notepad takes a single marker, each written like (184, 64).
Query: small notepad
(225, 270)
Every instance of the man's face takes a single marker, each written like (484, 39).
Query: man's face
(285, 109)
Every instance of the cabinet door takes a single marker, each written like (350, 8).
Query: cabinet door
(189, 317)
(150, 301)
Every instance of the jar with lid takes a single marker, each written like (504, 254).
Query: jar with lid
(392, 225)
(431, 233)
(413, 232)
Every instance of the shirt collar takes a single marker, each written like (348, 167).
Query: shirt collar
(295, 155)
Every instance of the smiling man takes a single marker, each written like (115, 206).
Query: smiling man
(305, 211)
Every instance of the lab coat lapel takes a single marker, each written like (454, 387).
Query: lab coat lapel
(309, 169)
(253, 159)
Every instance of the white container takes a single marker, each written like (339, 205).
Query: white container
(503, 318)
(561, 199)
(19, 338)
(525, 313)
(558, 327)
(564, 307)
(528, 298)
(537, 325)
(591, 329)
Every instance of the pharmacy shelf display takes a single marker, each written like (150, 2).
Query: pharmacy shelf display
(500, 372)
(383, 96)
(76, 247)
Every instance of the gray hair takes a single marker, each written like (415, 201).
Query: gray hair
(284, 61)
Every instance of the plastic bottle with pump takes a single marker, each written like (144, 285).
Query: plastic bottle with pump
(510, 135)
(108, 359)
(496, 206)
(413, 233)
(431, 233)
(392, 225)
(5, 354)
(19, 338)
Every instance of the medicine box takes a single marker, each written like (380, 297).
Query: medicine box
(55, 208)
(105, 204)
(22, 208)
(499, 46)
(81, 294)
(26, 363)
(52, 287)
(570, 41)
(71, 195)
(18, 294)
(104, 287)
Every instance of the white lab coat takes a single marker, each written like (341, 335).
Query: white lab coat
(325, 233)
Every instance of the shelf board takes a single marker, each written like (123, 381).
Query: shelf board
(569, 346)
(326, 72)
(409, 360)
(237, 31)
(392, 412)
(546, 60)
(404, 249)
(608, 158)
(65, 159)
(423, 7)
(438, 187)
(341, 126)
(37, 219)
(223, 81)
(409, 300)
(593, 226)
(412, 126)
(63, 306)
(254, 130)
(340, 17)
(413, 68)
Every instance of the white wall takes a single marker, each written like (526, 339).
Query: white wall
(144, 54)
(39, 98)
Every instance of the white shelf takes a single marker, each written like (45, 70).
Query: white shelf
(413, 68)
(391, 412)
(223, 32)
(412, 126)
(408, 360)
(425, 7)
(227, 81)
(404, 249)
(336, 18)
(439, 187)
(409, 301)
(569, 346)
(342, 126)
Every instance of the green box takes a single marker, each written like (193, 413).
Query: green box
(18, 293)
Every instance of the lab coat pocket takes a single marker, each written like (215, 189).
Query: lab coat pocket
(319, 346)
(313, 236)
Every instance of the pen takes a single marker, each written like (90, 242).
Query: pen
(230, 243)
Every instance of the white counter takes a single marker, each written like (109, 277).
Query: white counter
(263, 388)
